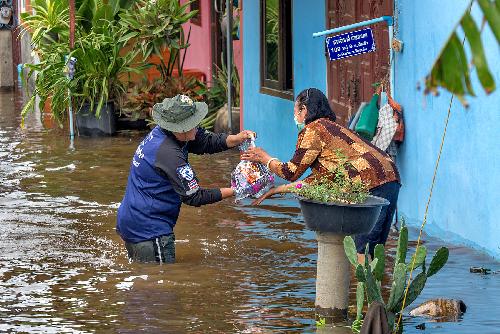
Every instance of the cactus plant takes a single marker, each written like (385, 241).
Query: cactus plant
(418, 258)
(438, 261)
(360, 300)
(369, 276)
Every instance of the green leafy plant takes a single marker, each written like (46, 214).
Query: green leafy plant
(142, 98)
(49, 81)
(338, 188)
(220, 81)
(272, 38)
(49, 23)
(101, 69)
(369, 275)
(321, 322)
(451, 69)
(216, 94)
(154, 26)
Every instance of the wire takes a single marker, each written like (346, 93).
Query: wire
(426, 209)
(430, 194)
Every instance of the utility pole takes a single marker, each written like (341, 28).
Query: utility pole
(229, 66)
(71, 47)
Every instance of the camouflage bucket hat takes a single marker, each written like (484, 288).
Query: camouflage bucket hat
(179, 113)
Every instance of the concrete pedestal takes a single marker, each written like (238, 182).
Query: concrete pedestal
(332, 281)
(6, 69)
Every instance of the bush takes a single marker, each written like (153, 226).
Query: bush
(337, 188)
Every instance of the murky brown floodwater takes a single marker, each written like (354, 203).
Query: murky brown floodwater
(239, 269)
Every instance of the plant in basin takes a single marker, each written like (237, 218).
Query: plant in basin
(340, 188)
(337, 203)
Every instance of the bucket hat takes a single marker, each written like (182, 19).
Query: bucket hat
(179, 113)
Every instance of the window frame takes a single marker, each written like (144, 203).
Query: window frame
(283, 87)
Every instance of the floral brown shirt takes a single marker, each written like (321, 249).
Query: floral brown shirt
(317, 146)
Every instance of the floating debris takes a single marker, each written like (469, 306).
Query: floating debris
(68, 167)
(480, 270)
(421, 326)
(441, 308)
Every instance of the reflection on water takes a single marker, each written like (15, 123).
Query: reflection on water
(63, 269)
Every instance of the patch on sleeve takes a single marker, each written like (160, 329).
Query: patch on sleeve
(185, 172)
(189, 182)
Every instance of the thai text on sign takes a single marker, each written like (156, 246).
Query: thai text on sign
(350, 44)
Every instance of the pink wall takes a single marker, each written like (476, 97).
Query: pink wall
(199, 53)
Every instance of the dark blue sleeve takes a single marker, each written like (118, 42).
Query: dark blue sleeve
(207, 142)
(172, 164)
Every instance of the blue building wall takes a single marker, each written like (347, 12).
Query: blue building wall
(465, 204)
(466, 200)
(269, 116)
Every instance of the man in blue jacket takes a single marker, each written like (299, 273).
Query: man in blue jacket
(161, 178)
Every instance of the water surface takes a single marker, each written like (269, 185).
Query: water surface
(247, 269)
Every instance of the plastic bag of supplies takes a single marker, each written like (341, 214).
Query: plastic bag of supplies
(250, 179)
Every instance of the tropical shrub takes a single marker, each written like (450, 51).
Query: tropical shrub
(154, 26)
(142, 98)
(100, 68)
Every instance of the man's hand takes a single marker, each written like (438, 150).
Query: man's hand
(235, 140)
(226, 192)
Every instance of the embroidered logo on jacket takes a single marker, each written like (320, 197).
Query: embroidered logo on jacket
(189, 182)
(185, 172)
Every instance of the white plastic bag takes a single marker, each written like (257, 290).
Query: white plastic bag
(250, 179)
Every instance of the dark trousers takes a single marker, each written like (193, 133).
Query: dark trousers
(159, 250)
(380, 231)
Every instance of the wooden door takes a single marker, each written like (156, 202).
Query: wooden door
(350, 79)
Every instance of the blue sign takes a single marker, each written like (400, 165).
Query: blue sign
(350, 44)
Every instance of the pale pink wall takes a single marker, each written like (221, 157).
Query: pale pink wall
(199, 53)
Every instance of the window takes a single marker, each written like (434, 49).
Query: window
(195, 5)
(276, 66)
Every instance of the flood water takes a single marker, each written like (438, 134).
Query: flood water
(239, 269)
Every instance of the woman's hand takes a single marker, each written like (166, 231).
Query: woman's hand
(284, 188)
(235, 140)
(256, 154)
(267, 195)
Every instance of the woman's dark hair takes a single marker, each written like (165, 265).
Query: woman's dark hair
(317, 105)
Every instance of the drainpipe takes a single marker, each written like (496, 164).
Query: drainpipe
(229, 38)
(332, 278)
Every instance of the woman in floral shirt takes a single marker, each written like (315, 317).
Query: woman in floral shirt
(319, 140)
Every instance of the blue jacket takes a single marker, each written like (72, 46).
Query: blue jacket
(160, 180)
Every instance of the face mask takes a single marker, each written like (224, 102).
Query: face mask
(300, 126)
